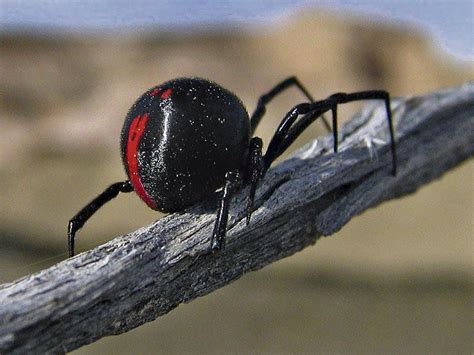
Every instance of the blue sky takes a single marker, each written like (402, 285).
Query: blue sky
(449, 21)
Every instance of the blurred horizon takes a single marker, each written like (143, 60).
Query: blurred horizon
(450, 23)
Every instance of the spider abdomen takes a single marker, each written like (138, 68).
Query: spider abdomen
(180, 138)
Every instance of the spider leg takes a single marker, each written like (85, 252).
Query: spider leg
(256, 170)
(300, 125)
(288, 130)
(84, 214)
(270, 95)
(232, 181)
(313, 110)
(342, 98)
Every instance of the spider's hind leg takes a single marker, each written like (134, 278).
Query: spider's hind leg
(92, 207)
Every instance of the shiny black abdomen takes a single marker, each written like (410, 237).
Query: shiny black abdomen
(180, 138)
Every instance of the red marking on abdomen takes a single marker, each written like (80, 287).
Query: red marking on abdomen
(155, 92)
(135, 133)
(166, 93)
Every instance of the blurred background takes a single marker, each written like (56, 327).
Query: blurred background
(396, 279)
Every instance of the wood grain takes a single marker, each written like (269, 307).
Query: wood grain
(137, 277)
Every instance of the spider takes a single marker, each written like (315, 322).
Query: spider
(188, 137)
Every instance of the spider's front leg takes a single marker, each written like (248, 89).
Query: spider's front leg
(291, 126)
(274, 92)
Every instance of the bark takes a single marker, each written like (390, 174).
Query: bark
(137, 277)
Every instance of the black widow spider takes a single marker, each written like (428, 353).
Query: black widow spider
(188, 137)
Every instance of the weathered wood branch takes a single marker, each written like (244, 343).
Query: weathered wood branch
(137, 277)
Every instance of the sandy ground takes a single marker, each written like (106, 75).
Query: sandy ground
(396, 279)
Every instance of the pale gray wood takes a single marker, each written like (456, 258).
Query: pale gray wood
(137, 277)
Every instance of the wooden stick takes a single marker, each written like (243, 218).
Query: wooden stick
(137, 277)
